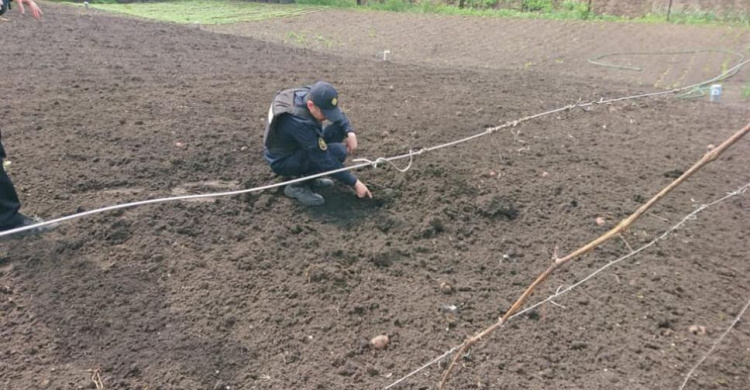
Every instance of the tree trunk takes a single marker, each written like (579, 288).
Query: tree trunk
(669, 10)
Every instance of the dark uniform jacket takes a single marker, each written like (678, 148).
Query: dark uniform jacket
(291, 129)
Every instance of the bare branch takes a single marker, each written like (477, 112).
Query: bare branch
(624, 224)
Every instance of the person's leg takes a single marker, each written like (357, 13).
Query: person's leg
(293, 166)
(333, 133)
(9, 204)
(298, 165)
(10, 218)
(338, 151)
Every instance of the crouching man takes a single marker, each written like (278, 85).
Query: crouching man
(296, 144)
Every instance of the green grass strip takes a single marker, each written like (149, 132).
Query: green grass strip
(206, 12)
(233, 11)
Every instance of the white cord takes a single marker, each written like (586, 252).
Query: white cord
(409, 155)
(736, 320)
(689, 217)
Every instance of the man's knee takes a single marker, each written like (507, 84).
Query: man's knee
(294, 165)
(288, 170)
(333, 133)
(338, 151)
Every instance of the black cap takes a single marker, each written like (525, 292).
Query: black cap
(325, 97)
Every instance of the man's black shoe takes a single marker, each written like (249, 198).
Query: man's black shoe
(321, 182)
(26, 221)
(303, 194)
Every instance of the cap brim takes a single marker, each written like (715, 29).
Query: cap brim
(333, 114)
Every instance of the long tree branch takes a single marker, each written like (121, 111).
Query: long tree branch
(707, 158)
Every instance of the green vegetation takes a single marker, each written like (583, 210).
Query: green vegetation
(204, 12)
(329, 3)
(301, 38)
(537, 5)
(746, 91)
(298, 37)
(679, 16)
(232, 11)
(534, 9)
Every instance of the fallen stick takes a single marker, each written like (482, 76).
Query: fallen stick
(624, 224)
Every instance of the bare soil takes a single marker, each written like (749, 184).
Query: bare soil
(257, 292)
(665, 56)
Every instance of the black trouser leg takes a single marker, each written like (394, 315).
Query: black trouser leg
(9, 204)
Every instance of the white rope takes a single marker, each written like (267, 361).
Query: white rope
(736, 320)
(433, 361)
(385, 160)
(409, 155)
(174, 198)
(595, 61)
(559, 292)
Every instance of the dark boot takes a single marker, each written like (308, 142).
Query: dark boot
(303, 193)
(322, 182)
(26, 221)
